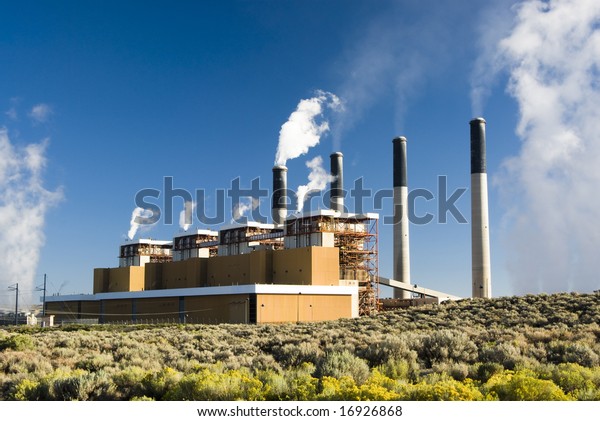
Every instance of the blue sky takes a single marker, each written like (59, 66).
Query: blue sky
(130, 92)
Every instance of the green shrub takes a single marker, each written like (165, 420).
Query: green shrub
(17, 342)
(522, 386)
(343, 364)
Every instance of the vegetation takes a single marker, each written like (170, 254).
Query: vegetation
(536, 347)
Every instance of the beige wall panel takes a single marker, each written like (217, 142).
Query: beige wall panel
(292, 266)
(117, 310)
(261, 267)
(217, 309)
(325, 266)
(153, 276)
(273, 308)
(63, 310)
(276, 308)
(306, 266)
(157, 310)
(90, 309)
(101, 280)
(229, 270)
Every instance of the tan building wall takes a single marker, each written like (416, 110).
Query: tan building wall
(157, 310)
(123, 279)
(90, 310)
(306, 266)
(64, 310)
(217, 309)
(101, 280)
(271, 308)
(190, 273)
(241, 269)
(117, 310)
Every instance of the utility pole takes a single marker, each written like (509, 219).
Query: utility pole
(16, 289)
(44, 299)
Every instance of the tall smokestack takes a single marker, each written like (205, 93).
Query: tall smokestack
(336, 196)
(279, 206)
(480, 232)
(401, 244)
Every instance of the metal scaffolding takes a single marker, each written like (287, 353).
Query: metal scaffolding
(356, 236)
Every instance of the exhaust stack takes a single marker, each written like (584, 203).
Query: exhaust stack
(279, 204)
(401, 243)
(336, 195)
(480, 234)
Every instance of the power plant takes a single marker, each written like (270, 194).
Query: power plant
(304, 266)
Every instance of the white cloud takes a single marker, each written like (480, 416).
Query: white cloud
(40, 113)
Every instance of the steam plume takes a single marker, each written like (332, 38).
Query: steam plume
(240, 209)
(302, 131)
(23, 205)
(317, 181)
(553, 57)
(137, 214)
(186, 215)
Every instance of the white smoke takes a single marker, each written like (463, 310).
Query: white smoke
(240, 209)
(553, 58)
(186, 215)
(137, 216)
(302, 131)
(317, 181)
(23, 205)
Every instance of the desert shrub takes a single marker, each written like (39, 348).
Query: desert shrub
(578, 353)
(573, 379)
(157, 384)
(13, 362)
(503, 353)
(388, 348)
(17, 342)
(77, 385)
(343, 364)
(400, 369)
(447, 345)
(483, 371)
(295, 354)
(129, 382)
(342, 389)
(95, 362)
(379, 388)
(208, 385)
(442, 390)
(523, 386)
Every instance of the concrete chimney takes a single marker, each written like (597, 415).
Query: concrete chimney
(336, 195)
(279, 204)
(480, 231)
(401, 243)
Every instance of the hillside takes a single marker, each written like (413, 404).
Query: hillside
(536, 347)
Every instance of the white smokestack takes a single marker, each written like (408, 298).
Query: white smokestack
(401, 222)
(480, 229)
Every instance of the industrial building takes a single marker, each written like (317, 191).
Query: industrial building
(316, 265)
(310, 266)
